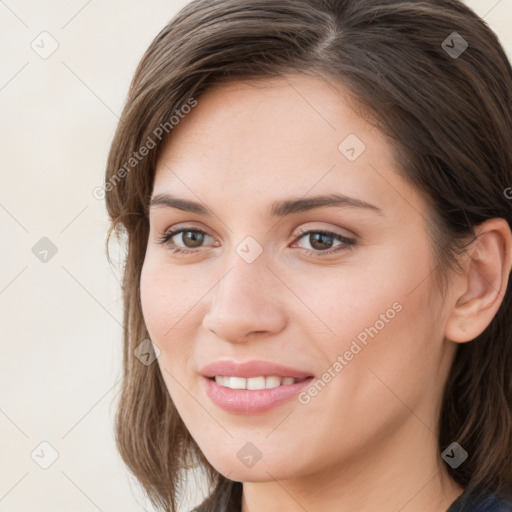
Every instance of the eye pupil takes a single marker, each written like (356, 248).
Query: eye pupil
(325, 241)
(195, 237)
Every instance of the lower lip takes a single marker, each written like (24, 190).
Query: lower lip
(244, 401)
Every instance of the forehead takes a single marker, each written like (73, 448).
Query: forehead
(264, 117)
(278, 135)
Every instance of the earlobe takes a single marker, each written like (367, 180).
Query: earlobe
(482, 286)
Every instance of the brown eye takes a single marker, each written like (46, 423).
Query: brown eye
(323, 242)
(320, 241)
(192, 239)
(184, 240)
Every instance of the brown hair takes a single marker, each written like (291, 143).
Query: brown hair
(449, 120)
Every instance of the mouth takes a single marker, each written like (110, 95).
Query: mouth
(252, 387)
(245, 401)
(255, 383)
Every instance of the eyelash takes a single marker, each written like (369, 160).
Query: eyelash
(349, 242)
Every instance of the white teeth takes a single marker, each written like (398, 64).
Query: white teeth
(254, 383)
(272, 382)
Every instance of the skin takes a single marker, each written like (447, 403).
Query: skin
(368, 440)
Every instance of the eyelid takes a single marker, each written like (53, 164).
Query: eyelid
(185, 226)
(334, 231)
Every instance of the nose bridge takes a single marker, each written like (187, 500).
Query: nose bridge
(247, 274)
(245, 300)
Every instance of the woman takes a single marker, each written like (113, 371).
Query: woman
(315, 198)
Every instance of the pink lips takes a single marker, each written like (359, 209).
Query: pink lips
(251, 369)
(244, 401)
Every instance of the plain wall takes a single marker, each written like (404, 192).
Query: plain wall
(61, 318)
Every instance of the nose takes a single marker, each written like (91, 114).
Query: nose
(247, 303)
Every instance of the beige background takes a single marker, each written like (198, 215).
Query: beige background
(61, 330)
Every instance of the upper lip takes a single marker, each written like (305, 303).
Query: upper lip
(249, 369)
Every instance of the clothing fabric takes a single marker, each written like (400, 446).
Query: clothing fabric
(481, 503)
(466, 502)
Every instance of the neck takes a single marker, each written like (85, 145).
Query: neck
(405, 474)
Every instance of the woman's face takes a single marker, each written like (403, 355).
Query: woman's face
(348, 307)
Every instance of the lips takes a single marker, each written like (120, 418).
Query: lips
(249, 402)
(252, 369)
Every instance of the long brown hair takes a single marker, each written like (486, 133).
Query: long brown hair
(448, 117)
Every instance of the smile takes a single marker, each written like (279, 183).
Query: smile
(254, 383)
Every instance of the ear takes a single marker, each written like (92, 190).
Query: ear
(480, 289)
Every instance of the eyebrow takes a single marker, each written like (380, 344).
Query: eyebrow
(278, 209)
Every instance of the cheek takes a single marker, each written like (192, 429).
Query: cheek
(169, 304)
(169, 301)
(378, 320)
(168, 295)
(393, 345)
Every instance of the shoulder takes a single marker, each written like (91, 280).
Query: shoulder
(482, 503)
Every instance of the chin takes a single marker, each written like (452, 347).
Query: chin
(264, 470)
